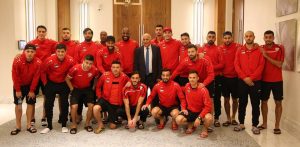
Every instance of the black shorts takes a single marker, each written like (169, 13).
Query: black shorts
(113, 110)
(86, 95)
(275, 87)
(230, 86)
(25, 90)
(191, 117)
(211, 89)
(167, 111)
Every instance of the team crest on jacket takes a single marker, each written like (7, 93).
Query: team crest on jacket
(90, 74)
(84, 49)
(277, 49)
(56, 66)
(105, 55)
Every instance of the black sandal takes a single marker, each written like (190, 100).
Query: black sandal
(73, 131)
(226, 124)
(88, 128)
(140, 125)
(217, 123)
(32, 130)
(15, 132)
(277, 131)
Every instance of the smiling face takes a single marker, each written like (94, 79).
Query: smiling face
(116, 69)
(165, 76)
(192, 53)
(249, 37)
(227, 39)
(168, 35)
(193, 78)
(125, 34)
(61, 53)
(185, 40)
(269, 39)
(41, 33)
(29, 54)
(135, 79)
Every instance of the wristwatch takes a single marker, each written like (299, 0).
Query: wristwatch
(199, 118)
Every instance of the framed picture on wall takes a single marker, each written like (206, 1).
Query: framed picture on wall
(286, 7)
(21, 44)
(287, 36)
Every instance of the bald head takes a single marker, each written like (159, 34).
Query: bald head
(125, 34)
(103, 36)
(249, 37)
(146, 39)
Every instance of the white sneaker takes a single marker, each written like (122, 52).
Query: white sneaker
(45, 131)
(64, 130)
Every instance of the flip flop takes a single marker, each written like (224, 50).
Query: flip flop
(15, 132)
(32, 130)
(238, 129)
(226, 124)
(210, 129)
(140, 125)
(234, 122)
(261, 127)
(73, 131)
(276, 131)
(190, 130)
(174, 127)
(255, 131)
(98, 130)
(160, 126)
(88, 128)
(217, 123)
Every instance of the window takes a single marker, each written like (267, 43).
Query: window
(198, 22)
(30, 20)
(83, 17)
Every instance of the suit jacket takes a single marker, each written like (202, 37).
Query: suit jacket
(139, 62)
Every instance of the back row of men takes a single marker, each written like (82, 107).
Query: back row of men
(96, 74)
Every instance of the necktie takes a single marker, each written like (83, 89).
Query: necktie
(147, 61)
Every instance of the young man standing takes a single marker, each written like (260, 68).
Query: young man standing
(127, 48)
(79, 81)
(54, 72)
(185, 42)
(168, 91)
(272, 79)
(158, 35)
(25, 75)
(249, 64)
(198, 106)
(230, 79)
(109, 92)
(66, 40)
(133, 100)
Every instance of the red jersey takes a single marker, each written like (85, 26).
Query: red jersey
(127, 49)
(55, 70)
(26, 73)
(81, 78)
(183, 53)
(71, 47)
(170, 53)
(167, 94)
(86, 48)
(249, 63)
(156, 42)
(203, 66)
(134, 93)
(228, 59)
(272, 73)
(110, 87)
(44, 48)
(105, 58)
(198, 100)
(215, 55)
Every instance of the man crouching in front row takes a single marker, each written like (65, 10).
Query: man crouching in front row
(198, 106)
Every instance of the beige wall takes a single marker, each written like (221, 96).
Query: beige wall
(260, 22)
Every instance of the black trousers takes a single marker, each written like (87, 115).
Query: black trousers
(150, 81)
(217, 96)
(51, 89)
(255, 93)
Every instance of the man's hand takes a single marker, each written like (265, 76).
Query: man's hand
(185, 112)
(248, 81)
(18, 94)
(201, 85)
(201, 55)
(31, 95)
(144, 107)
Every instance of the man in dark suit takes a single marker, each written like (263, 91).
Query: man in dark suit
(147, 60)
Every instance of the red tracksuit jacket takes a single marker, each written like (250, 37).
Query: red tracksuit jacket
(229, 56)
(170, 53)
(249, 63)
(26, 73)
(82, 79)
(71, 47)
(105, 58)
(85, 48)
(44, 48)
(127, 49)
(133, 94)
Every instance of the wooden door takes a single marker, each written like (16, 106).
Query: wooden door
(63, 18)
(238, 21)
(126, 16)
(155, 12)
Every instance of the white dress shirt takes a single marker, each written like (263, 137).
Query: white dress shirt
(150, 57)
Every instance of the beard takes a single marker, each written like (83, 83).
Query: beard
(88, 39)
(125, 38)
(210, 42)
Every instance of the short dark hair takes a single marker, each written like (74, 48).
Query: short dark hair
(193, 72)
(159, 26)
(66, 29)
(192, 46)
(88, 29)
(89, 57)
(41, 27)
(116, 62)
(61, 46)
(185, 34)
(165, 70)
(227, 33)
(269, 32)
(135, 73)
(110, 38)
(30, 46)
(211, 32)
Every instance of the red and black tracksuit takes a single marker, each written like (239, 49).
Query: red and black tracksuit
(127, 49)
(105, 58)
